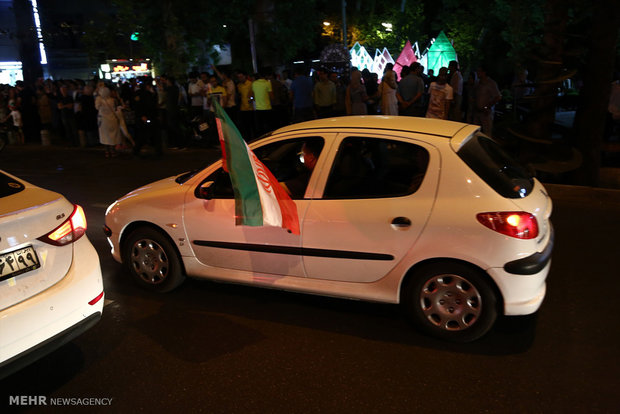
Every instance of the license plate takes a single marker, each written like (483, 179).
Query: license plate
(17, 262)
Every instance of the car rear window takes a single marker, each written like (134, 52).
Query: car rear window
(496, 168)
(9, 186)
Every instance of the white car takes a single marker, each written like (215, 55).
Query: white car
(51, 288)
(428, 213)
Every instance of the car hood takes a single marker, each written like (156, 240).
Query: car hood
(156, 186)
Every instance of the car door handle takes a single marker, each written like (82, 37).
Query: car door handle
(401, 223)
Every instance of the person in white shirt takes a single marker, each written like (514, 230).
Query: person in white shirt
(196, 95)
(17, 122)
(440, 96)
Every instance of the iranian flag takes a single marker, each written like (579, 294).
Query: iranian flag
(260, 200)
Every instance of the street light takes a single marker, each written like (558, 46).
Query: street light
(388, 26)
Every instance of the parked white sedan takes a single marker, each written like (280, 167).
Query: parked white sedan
(51, 288)
(428, 213)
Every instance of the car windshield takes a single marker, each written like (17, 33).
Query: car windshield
(9, 186)
(496, 168)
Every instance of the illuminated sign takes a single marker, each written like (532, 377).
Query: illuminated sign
(121, 68)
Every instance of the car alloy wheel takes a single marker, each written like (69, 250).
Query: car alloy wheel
(149, 261)
(451, 300)
(153, 260)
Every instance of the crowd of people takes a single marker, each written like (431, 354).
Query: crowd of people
(166, 112)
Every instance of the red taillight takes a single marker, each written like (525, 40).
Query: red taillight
(69, 231)
(518, 224)
(97, 299)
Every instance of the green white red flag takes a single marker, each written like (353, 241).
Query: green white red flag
(260, 200)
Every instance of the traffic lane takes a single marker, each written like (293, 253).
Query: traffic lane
(562, 352)
(229, 348)
(294, 348)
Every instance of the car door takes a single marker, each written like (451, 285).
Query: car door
(210, 218)
(375, 202)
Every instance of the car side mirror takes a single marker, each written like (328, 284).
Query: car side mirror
(206, 190)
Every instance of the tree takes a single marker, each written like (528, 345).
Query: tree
(179, 34)
(175, 34)
(287, 30)
(368, 27)
(590, 118)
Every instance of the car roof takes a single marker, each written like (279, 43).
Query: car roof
(428, 126)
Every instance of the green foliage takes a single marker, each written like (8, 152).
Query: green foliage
(521, 24)
(177, 34)
(103, 40)
(481, 30)
(291, 28)
(368, 29)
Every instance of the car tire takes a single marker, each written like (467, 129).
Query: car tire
(451, 301)
(152, 260)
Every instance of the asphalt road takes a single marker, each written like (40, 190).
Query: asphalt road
(218, 348)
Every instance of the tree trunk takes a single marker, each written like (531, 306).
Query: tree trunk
(549, 71)
(594, 97)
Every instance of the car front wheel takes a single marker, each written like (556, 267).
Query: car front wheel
(451, 301)
(152, 260)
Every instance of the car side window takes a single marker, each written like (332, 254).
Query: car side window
(283, 158)
(372, 168)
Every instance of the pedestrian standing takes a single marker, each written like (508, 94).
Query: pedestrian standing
(263, 95)
(487, 94)
(356, 96)
(301, 96)
(109, 126)
(440, 96)
(387, 90)
(246, 106)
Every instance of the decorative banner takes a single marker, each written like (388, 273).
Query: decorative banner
(438, 55)
(406, 58)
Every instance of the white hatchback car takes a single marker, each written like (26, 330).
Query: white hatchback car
(51, 288)
(428, 213)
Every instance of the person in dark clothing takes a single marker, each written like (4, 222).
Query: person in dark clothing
(29, 110)
(147, 121)
(372, 90)
(173, 113)
(87, 119)
(67, 115)
(296, 186)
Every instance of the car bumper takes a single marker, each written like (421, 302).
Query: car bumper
(522, 282)
(522, 294)
(55, 316)
(113, 241)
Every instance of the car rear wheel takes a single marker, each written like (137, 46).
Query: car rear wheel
(152, 260)
(451, 301)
